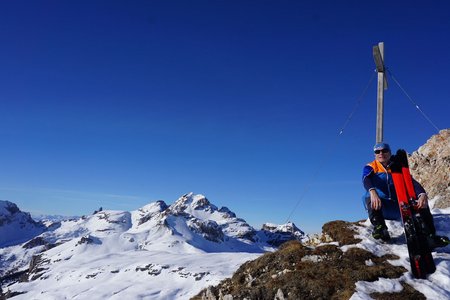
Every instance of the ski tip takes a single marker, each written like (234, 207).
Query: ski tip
(401, 157)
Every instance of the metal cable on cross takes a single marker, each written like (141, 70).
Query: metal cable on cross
(412, 101)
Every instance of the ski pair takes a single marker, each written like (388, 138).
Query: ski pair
(420, 257)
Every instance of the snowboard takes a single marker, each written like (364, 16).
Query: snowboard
(420, 257)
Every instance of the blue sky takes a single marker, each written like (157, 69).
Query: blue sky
(122, 103)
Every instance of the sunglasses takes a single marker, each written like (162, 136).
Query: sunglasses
(381, 151)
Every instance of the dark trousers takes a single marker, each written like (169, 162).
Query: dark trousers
(376, 217)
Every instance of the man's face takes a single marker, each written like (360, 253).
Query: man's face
(382, 155)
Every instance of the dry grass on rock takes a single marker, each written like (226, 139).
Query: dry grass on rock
(299, 272)
(296, 271)
(341, 232)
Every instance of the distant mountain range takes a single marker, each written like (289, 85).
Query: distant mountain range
(117, 245)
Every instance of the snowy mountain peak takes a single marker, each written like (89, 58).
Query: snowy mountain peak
(149, 211)
(7, 209)
(108, 221)
(154, 207)
(289, 227)
(206, 227)
(278, 234)
(198, 206)
(16, 226)
(191, 202)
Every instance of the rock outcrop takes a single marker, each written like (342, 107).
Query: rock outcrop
(430, 165)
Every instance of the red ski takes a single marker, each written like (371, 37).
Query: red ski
(420, 257)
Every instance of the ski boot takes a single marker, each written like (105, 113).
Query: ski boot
(381, 232)
(437, 241)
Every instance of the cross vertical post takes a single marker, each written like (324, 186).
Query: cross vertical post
(378, 56)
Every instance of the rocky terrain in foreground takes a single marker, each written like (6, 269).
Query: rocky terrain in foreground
(299, 271)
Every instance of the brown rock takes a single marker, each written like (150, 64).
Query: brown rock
(430, 165)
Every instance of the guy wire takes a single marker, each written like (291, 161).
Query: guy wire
(327, 155)
(412, 101)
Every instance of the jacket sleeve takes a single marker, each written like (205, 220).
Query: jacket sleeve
(418, 188)
(367, 180)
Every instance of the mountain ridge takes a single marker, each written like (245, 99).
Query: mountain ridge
(110, 243)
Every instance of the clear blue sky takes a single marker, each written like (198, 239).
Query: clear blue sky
(122, 103)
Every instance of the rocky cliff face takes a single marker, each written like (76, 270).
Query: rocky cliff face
(16, 226)
(430, 165)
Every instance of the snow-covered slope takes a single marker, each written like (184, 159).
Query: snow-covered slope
(436, 286)
(155, 252)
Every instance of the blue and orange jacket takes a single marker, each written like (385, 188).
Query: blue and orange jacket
(380, 178)
(375, 176)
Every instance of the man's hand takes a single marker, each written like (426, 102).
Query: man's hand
(422, 202)
(375, 200)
